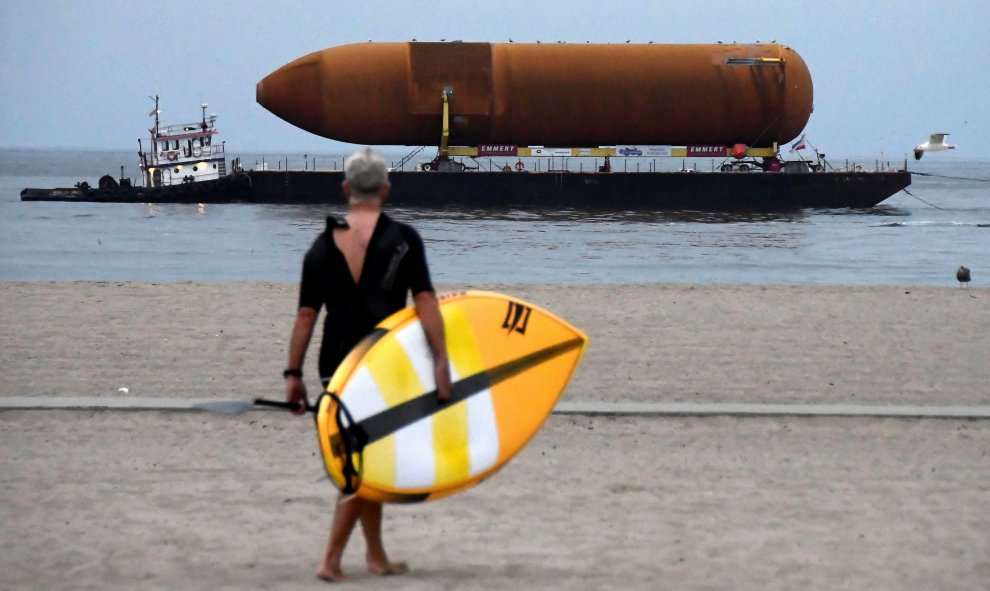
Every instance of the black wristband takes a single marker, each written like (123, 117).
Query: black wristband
(292, 372)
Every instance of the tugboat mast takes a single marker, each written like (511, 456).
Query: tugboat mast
(154, 131)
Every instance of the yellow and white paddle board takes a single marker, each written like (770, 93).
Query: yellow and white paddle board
(382, 432)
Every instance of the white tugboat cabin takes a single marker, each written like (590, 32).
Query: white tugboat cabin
(183, 153)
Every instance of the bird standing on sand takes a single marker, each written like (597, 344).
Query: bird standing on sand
(935, 143)
(963, 276)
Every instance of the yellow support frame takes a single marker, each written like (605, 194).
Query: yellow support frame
(528, 152)
(525, 152)
(445, 133)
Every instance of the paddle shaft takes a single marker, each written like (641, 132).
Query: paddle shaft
(284, 404)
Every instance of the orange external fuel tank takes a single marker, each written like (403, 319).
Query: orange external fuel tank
(545, 94)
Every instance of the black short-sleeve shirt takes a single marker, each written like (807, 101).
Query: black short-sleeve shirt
(394, 266)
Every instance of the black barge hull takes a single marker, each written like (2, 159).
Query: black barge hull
(699, 191)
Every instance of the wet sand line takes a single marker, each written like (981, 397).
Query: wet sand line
(587, 408)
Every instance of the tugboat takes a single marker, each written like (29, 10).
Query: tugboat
(186, 163)
(184, 153)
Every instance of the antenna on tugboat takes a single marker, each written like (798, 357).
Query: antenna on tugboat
(203, 106)
(155, 112)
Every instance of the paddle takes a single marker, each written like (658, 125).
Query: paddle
(238, 407)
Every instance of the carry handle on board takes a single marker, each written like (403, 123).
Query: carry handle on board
(354, 439)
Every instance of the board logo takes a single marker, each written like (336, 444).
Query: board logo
(516, 318)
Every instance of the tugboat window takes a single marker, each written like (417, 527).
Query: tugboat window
(195, 168)
(176, 171)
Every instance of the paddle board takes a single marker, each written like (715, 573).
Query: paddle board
(382, 432)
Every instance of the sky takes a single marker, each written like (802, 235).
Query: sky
(78, 74)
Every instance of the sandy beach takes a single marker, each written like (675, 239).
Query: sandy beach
(130, 500)
(675, 343)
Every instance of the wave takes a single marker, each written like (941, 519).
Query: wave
(930, 224)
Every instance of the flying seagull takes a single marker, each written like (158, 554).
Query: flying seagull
(935, 143)
(963, 276)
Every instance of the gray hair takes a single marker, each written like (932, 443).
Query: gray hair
(365, 172)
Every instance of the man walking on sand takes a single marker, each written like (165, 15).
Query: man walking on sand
(361, 268)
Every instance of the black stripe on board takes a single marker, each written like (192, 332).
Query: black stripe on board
(383, 424)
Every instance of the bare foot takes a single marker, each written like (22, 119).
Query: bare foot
(330, 575)
(389, 568)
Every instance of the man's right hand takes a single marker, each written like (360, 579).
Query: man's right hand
(441, 372)
(295, 393)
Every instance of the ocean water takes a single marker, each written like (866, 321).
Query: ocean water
(910, 239)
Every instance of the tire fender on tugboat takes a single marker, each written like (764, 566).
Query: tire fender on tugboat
(108, 183)
(243, 181)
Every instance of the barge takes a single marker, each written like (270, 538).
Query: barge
(187, 163)
(700, 191)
